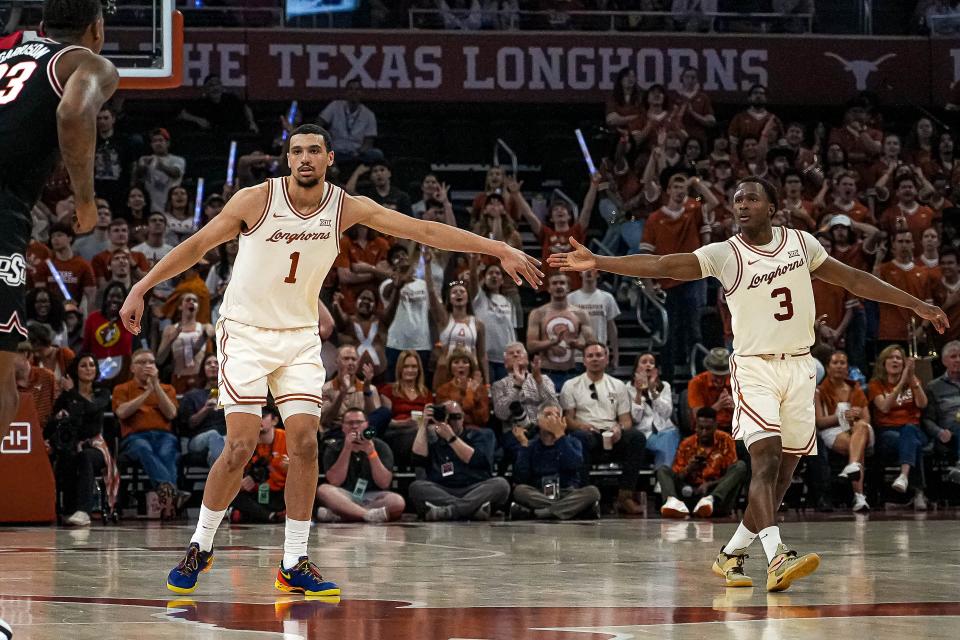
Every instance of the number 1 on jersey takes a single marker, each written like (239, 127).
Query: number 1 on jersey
(294, 261)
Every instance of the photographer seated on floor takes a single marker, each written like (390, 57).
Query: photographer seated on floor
(548, 472)
(459, 468)
(261, 490)
(706, 465)
(359, 471)
(75, 434)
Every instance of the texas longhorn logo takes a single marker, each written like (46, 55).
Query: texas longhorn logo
(861, 69)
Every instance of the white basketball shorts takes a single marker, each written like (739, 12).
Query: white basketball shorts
(285, 361)
(775, 398)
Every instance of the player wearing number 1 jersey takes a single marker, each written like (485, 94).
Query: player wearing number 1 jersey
(267, 336)
(766, 275)
(51, 89)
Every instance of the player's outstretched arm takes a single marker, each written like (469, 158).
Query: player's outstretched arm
(91, 83)
(223, 227)
(867, 285)
(677, 266)
(361, 210)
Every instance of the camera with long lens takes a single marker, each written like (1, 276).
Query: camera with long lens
(65, 435)
(518, 417)
(260, 470)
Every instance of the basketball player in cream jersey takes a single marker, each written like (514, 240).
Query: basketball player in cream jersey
(765, 273)
(267, 336)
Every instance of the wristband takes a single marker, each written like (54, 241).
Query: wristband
(373, 455)
(453, 439)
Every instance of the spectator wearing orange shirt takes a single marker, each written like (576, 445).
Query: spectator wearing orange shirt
(261, 491)
(712, 389)
(554, 235)
(847, 248)
(465, 387)
(40, 382)
(845, 200)
(803, 213)
(698, 115)
(118, 234)
(861, 142)
(898, 398)
(680, 226)
(848, 433)
(752, 122)
(946, 295)
(903, 273)
(916, 216)
(835, 306)
(362, 263)
(146, 409)
(76, 273)
(625, 104)
(707, 463)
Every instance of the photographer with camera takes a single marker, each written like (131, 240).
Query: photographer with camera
(518, 396)
(75, 434)
(359, 471)
(548, 472)
(459, 468)
(261, 490)
(706, 465)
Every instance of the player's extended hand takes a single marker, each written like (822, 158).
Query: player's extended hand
(86, 213)
(131, 311)
(517, 263)
(580, 259)
(934, 314)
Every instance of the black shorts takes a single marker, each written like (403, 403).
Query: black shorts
(15, 225)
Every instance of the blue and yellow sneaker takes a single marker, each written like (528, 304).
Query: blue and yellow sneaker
(304, 578)
(183, 577)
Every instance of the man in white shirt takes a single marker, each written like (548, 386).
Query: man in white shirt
(406, 310)
(353, 127)
(602, 310)
(89, 245)
(597, 409)
(160, 171)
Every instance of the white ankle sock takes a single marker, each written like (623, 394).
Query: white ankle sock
(295, 542)
(207, 527)
(770, 539)
(742, 539)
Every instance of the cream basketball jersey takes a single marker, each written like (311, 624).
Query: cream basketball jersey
(768, 289)
(283, 261)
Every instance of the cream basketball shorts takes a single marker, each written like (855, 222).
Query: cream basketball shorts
(773, 396)
(254, 360)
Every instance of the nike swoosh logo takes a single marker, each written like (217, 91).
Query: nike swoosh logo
(753, 261)
(276, 216)
(813, 376)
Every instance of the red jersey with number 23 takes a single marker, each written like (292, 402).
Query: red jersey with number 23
(768, 289)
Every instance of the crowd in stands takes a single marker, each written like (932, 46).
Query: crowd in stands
(440, 364)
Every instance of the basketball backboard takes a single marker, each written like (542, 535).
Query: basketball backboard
(144, 39)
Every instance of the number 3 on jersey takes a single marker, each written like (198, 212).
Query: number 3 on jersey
(294, 261)
(786, 303)
(13, 79)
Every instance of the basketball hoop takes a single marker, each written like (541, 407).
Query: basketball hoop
(161, 67)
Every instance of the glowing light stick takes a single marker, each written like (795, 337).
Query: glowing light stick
(291, 115)
(592, 168)
(58, 279)
(232, 162)
(198, 205)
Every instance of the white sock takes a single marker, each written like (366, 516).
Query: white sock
(207, 527)
(295, 542)
(742, 539)
(770, 539)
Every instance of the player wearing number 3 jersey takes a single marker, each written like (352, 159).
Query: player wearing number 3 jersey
(268, 338)
(766, 275)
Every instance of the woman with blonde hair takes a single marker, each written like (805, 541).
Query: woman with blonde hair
(465, 386)
(898, 398)
(843, 420)
(409, 394)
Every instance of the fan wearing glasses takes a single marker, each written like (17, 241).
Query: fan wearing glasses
(597, 408)
(459, 468)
